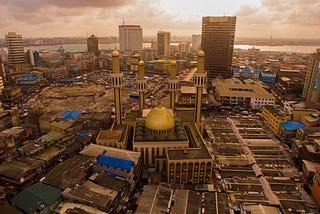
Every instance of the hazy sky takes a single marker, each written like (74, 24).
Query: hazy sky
(255, 18)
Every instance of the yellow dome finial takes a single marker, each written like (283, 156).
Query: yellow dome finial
(115, 53)
(201, 53)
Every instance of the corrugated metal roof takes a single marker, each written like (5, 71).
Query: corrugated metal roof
(30, 198)
(115, 162)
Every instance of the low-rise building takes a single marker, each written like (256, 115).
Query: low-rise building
(243, 72)
(315, 188)
(38, 198)
(268, 76)
(124, 156)
(240, 94)
(115, 166)
(69, 173)
(273, 117)
(91, 194)
(308, 134)
(187, 96)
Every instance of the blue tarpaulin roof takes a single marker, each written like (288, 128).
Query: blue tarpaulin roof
(25, 106)
(32, 78)
(246, 70)
(84, 134)
(70, 114)
(292, 125)
(115, 162)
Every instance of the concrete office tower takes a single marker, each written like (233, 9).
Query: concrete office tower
(117, 83)
(93, 44)
(141, 85)
(163, 40)
(200, 81)
(30, 57)
(196, 42)
(173, 84)
(311, 88)
(217, 42)
(184, 47)
(130, 37)
(15, 47)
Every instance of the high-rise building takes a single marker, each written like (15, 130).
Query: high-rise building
(184, 47)
(30, 57)
(15, 47)
(217, 42)
(130, 37)
(311, 90)
(196, 42)
(163, 40)
(93, 44)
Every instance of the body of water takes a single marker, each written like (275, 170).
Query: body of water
(83, 47)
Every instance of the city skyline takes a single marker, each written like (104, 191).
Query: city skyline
(255, 18)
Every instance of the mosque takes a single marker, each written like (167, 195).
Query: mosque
(170, 140)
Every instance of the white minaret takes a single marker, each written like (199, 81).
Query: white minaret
(200, 81)
(141, 85)
(117, 82)
(173, 82)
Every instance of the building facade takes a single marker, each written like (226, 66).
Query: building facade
(311, 88)
(93, 44)
(217, 42)
(273, 117)
(163, 41)
(130, 37)
(240, 94)
(15, 47)
(196, 42)
(315, 188)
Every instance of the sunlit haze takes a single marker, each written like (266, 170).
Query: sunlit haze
(255, 18)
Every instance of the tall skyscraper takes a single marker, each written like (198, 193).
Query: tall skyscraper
(217, 42)
(130, 37)
(311, 90)
(93, 44)
(163, 40)
(16, 54)
(196, 42)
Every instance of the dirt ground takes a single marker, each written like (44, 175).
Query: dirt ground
(88, 97)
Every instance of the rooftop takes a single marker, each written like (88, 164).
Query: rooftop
(115, 162)
(242, 90)
(32, 197)
(74, 208)
(70, 172)
(191, 90)
(292, 125)
(51, 136)
(61, 124)
(110, 135)
(91, 194)
(14, 131)
(109, 181)
(70, 114)
(32, 78)
(15, 169)
(95, 150)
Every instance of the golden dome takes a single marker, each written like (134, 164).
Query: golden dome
(141, 62)
(201, 53)
(159, 118)
(115, 53)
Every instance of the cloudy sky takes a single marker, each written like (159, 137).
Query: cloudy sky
(255, 18)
